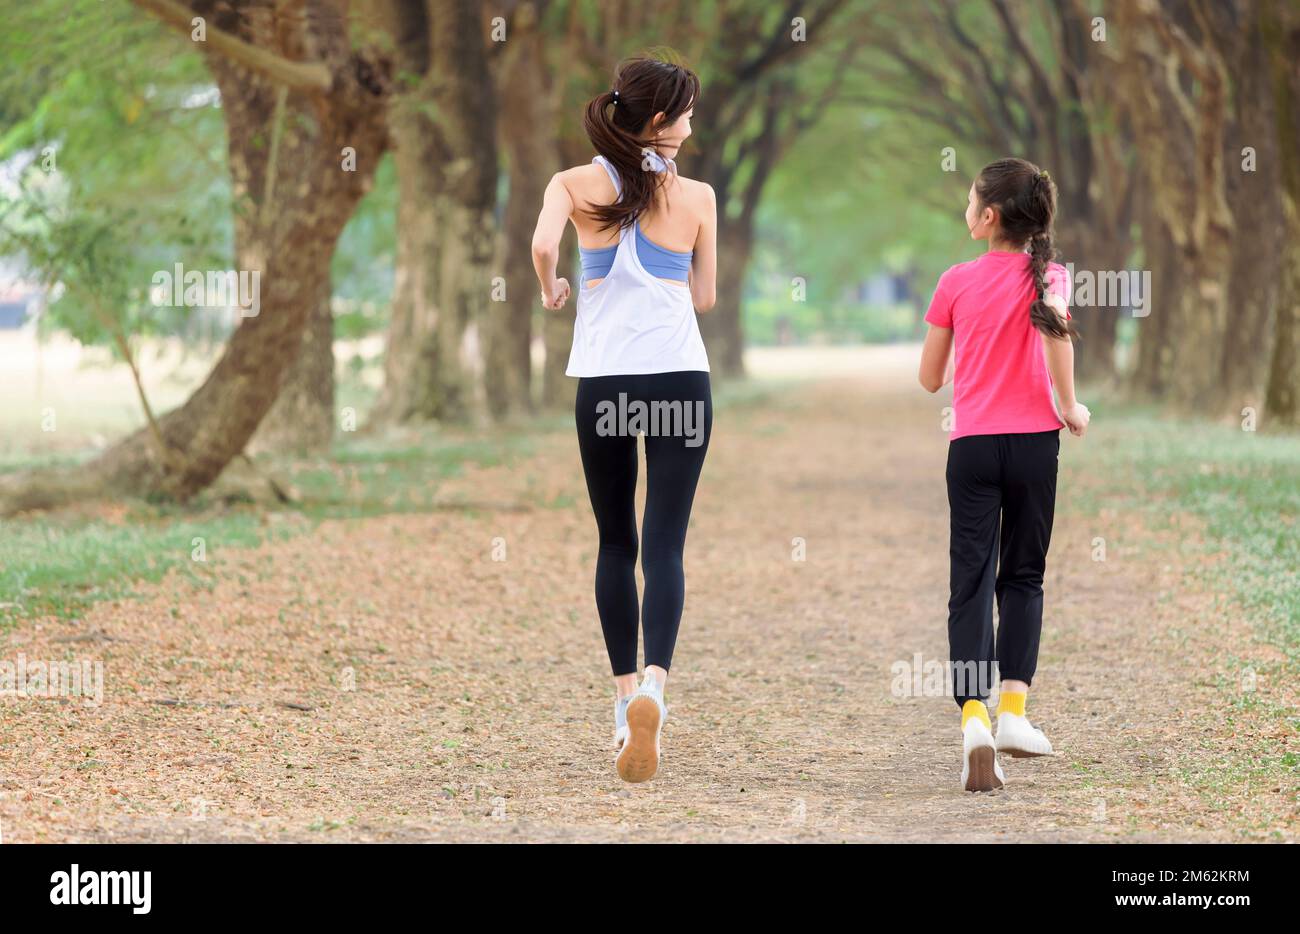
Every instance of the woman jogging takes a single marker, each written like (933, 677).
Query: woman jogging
(647, 239)
(1003, 323)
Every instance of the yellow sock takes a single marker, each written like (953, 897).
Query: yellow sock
(1012, 702)
(974, 708)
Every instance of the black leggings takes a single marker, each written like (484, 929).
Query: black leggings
(1008, 481)
(677, 433)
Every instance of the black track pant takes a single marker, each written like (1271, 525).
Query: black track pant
(1008, 481)
(677, 421)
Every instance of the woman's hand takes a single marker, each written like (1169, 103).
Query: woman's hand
(558, 296)
(1076, 418)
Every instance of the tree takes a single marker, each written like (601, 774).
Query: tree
(297, 99)
(1281, 32)
(1176, 93)
(443, 128)
(1253, 178)
(301, 420)
(753, 106)
(526, 126)
(1034, 83)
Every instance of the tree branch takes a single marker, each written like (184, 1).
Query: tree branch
(300, 76)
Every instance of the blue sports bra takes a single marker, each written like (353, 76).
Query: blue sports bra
(659, 262)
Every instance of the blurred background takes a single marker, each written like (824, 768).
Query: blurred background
(379, 166)
(371, 171)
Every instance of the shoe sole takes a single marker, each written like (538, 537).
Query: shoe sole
(1022, 753)
(638, 760)
(982, 777)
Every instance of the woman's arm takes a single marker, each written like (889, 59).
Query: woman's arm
(704, 265)
(1060, 364)
(936, 359)
(557, 205)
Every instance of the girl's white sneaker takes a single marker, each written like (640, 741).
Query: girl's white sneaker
(980, 770)
(1019, 738)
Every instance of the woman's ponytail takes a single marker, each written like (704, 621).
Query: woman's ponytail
(614, 119)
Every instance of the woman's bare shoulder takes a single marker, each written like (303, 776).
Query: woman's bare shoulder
(700, 193)
(586, 179)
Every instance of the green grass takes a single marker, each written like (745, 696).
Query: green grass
(60, 564)
(1243, 491)
(1243, 487)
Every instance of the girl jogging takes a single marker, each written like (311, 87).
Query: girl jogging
(999, 328)
(647, 239)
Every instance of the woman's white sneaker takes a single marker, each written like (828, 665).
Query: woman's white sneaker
(980, 770)
(1019, 738)
(638, 759)
(620, 720)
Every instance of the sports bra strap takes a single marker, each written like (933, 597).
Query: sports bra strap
(613, 174)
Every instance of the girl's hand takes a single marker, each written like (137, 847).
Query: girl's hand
(558, 297)
(1076, 418)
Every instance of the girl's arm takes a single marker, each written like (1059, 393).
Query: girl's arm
(936, 359)
(557, 205)
(704, 266)
(1060, 364)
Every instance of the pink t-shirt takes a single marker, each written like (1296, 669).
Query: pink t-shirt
(1000, 382)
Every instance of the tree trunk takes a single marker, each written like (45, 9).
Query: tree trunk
(1150, 375)
(1089, 249)
(414, 310)
(302, 419)
(1257, 254)
(1098, 329)
(1282, 40)
(1282, 397)
(777, 120)
(1179, 129)
(1094, 228)
(527, 128)
(285, 158)
(721, 325)
(444, 137)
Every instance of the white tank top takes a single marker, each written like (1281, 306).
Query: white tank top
(632, 322)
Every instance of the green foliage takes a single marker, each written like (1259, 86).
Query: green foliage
(771, 321)
(116, 147)
(864, 193)
(114, 139)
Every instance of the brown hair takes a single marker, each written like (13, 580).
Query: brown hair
(1025, 198)
(643, 86)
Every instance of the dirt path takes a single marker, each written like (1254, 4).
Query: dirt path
(452, 696)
